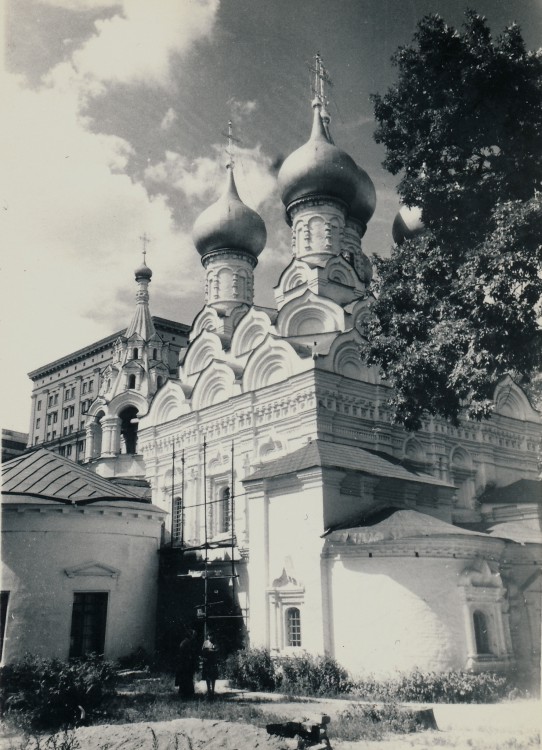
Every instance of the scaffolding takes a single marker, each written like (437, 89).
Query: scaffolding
(207, 545)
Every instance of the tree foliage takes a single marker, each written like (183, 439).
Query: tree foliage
(457, 305)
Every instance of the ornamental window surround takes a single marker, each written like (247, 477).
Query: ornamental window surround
(286, 597)
(485, 608)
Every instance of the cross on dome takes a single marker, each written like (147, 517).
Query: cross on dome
(321, 78)
(229, 148)
(145, 240)
(143, 271)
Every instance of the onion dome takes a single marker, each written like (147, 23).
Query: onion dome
(318, 168)
(229, 224)
(407, 224)
(143, 272)
(364, 203)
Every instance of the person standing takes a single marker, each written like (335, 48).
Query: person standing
(209, 664)
(186, 666)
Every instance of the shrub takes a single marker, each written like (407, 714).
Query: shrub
(313, 675)
(255, 669)
(40, 693)
(252, 669)
(437, 687)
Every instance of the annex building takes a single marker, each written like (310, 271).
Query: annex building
(280, 479)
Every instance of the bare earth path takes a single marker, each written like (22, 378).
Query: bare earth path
(505, 726)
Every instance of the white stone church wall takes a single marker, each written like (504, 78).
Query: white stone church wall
(48, 553)
(285, 538)
(397, 614)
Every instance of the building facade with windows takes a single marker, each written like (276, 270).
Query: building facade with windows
(352, 537)
(13, 443)
(289, 494)
(65, 390)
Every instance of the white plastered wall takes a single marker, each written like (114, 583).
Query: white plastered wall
(116, 552)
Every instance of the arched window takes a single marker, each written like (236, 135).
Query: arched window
(293, 627)
(481, 634)
(155, 353)
(136, 353)
(131, 381)
(128, 430)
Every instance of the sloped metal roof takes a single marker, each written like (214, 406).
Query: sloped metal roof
(338, 456)
(401, 524)
(46, 475)
(522, 491)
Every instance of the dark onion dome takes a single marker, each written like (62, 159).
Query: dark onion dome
(407, 224)
(143, 272)
(318, 168)
(364, 203)
(229, 224)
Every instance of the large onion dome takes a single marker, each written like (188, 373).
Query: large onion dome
(229, 224)
(364, 203)
(407, 224)
(143, 272)
(318, 168)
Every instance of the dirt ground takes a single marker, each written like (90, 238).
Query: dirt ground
(505, 726)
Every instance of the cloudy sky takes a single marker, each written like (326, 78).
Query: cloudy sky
(114, 114)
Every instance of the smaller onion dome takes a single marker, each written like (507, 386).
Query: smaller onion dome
(143, 272)
(364, 203)
(318, 168)
(407, 224)
(229, 224)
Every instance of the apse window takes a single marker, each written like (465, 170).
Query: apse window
(481, 633)
(293, 627)
(89, 616)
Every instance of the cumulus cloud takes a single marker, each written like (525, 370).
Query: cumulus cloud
(203, 178)
(241, 108)
(136, 45)
(81, 5)
(71, 221)
(72, 213)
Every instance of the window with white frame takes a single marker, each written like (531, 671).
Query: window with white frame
(293, 627)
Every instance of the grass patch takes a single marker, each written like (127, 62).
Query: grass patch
(372, 722)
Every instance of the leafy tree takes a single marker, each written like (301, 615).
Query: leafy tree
(457, 305)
